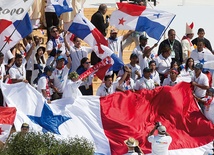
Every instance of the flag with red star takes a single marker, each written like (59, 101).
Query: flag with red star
(12, 32)
(139, 18)
(7, 117)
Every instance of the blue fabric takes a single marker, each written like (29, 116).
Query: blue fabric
(61, 9)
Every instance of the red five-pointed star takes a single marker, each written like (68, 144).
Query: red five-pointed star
(1, 131)
(7, 39)
(121, 21)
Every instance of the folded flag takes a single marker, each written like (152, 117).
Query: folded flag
(108, 121)
(7, 117)
(139, 18)
(14, 10)
(11, 33)
(62, 6)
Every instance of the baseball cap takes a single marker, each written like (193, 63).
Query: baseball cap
(113, 31)
(25, 125)
(133, 55)
(147, 70)
(48, 68)
(143, 37)
(199, 66)
(60, 57)
(162, 129)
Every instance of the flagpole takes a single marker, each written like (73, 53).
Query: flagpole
(10, 35)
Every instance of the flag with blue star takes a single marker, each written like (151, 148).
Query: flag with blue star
(62, 6)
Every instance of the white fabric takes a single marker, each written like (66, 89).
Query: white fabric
(201, 55)
(208, 152)
(60, 78)
(116, 46)
(144, 83)
(72, 89)
(5, 132)
(162, 64)
(2, 72)
(202, 80)
(187, 73)
(77, 55)
(18, 72)
(102, 90)
(169, 82)
(160, 144)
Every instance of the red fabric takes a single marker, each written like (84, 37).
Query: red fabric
(7, 115)
(4, 24)
(133, 10)
(134, 115)
(209, 75)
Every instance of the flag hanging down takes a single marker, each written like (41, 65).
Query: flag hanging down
(7, 116)
(108, 121)
(62, 6)
(85, 30)
(139, 18)
(14, 10)
(11, 33)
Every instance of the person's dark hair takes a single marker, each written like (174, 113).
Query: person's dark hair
(200, 30)
(165, 49)
(1, 54)
(75, 38)
(18, 56)
(107, 77)
(138, 150)
(152, 62)
(200, 40)
(42, 57)
(186, 64)
(82, 62)
(172, 63)
(102, 7)
(171, 30)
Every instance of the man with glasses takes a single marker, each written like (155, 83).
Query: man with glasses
(175, 46)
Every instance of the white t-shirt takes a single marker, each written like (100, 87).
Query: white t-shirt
(167, 81)
(77, 54)
(202, 80)
(155, 77)
(18, 72)
(131, 153)
(160, 144)
(71, 89)
(104, 91)
(2, 72)
(7, 56)
(126, 85)
(116, 46)
(187, 75)
(144, 83)
(30, 61)
(201, 55)
(42, 82)
(49, 7)
(162, 64)
(60, 78)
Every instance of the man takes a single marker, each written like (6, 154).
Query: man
(60, 75)
(18, 72)
(201, 34)
(109, 87)
(97, 19)
(55, 45)
(186, 43)
(175, 46)
(145, 82)
(200, 83)
(160, 143)
(44, 84)
(142, 50)
(24, 128)
(131, 143)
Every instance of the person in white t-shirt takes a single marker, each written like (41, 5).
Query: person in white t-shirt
(60, 75)
(44, 86)
(172, 79)
(145, 82)
(154, 73)
(200, 83)
(18, 72)
(160, 143)
(210, 151)
(188, 70)
(9, 59)
(78, 52)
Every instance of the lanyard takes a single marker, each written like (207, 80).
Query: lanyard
(20, 72)
(147, 86)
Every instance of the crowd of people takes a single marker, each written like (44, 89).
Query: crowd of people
(56, 77)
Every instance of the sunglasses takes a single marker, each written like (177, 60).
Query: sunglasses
(55, 31)
(87, 62)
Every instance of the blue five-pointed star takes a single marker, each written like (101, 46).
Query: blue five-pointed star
(202, 61)
(158, 15)
(49, 121)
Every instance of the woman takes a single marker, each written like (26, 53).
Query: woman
(173, 78)
(86, 86)
(154, 73)
(188, 70)
(163, 62)
(39, 65)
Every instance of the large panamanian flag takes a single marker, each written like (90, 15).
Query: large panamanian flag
(140, 18)
(108, 121)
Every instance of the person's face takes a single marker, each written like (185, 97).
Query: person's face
(201, 34)
(172, 35)
(200, 46)
(54, 32)
(104, 11)
(113, 35)
(36, 39)
(87, 64)
(197, 71)
(77, 42)
(134, 60)
(147, 75)
(175, 65)
(108, 82)
(166, 54)
(190, 62)
(60, 63)
(40, 52)
(18, 62)
(173, 75)
(49, 73)
(1, 60)
(152, 66)
(143, 42)
(191, 35)
(24, 129)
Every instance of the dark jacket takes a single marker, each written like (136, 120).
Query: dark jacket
(206, 42)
